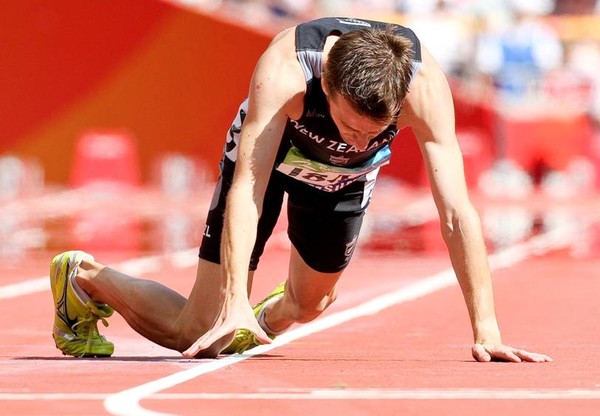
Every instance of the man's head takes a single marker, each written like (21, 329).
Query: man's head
(371, 69)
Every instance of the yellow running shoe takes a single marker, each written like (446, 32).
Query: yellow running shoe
(75, 330)
(244, 339)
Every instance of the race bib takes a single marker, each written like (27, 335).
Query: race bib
(328, 177)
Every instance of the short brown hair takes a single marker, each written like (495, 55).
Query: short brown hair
(372, 69)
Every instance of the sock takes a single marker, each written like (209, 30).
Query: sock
(81, 294)
(261, 317)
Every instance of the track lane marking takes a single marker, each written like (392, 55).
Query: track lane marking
(148, 264)
(127, 402)
(341, 394)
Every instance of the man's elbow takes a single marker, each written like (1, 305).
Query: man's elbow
(460, 223)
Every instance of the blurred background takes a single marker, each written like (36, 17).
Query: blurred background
(113, 115)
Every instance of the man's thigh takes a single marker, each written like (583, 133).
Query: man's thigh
(324, 227)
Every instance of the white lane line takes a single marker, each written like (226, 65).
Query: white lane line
(27, 287)
(396, 394)
(142, 265)
(127, 402)
(339, 394)
(52, 396)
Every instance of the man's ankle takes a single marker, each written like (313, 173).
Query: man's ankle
(262, 318)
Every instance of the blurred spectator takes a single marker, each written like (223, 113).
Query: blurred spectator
(533, 7)
(416, 7)
(576, 6)
(583, 60)
(447, 35)
(296, 10)
(267, 14)
(518, 55)
(574, 85)
(354, 8)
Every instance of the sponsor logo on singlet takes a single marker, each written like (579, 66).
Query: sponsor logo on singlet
(312, 113)
(353, 22)
(339, 160)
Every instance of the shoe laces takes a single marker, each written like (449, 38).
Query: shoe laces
(88, 325)
(245, 340)
(100, 310)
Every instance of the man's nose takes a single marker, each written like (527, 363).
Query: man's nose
(359, 140)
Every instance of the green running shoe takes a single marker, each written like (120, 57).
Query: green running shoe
(75, 330)
(244, 339)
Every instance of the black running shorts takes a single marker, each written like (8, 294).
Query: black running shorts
(322, 226)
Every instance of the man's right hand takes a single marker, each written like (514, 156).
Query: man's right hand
(234, 315)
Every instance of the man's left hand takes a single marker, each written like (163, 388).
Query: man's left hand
(492, 352)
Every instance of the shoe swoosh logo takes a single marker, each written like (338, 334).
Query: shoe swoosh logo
(61, 306)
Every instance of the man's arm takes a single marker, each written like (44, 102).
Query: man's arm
(429, 111)
(276, 91)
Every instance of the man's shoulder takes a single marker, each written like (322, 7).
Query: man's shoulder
(279, 68)
(282, 48)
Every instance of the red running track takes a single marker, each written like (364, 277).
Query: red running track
(396, 342)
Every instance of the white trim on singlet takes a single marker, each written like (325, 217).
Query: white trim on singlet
(311, 62)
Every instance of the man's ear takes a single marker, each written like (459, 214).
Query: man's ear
(324, 82)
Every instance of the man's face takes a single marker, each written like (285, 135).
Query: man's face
(356, 130)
